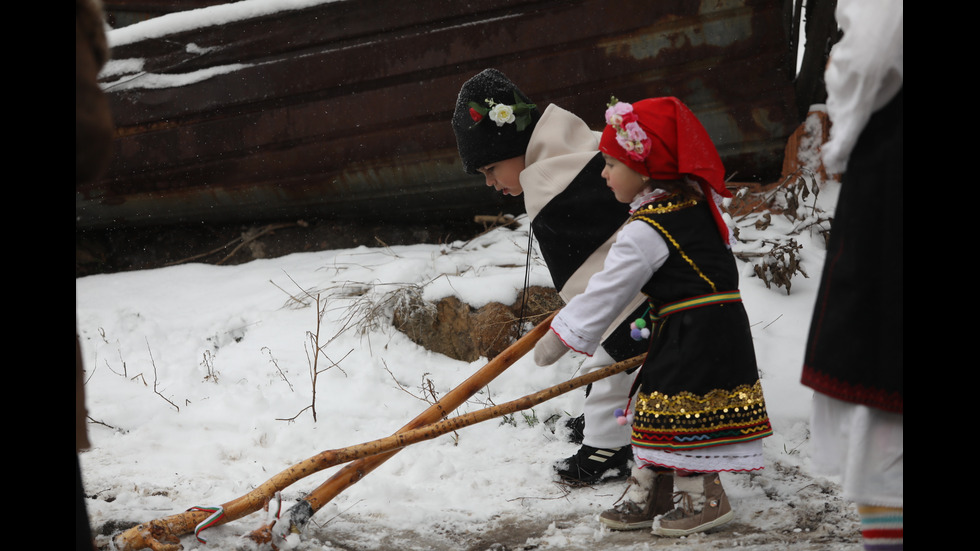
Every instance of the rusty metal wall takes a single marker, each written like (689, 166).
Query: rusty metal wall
(343, 109)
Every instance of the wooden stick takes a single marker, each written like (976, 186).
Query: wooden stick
(152, 534)
(299, 514)
(389, 445)
(400, 440)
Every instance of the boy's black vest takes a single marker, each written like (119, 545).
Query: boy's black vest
(572, 226)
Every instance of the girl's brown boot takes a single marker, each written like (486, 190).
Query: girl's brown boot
(702, 505)
(647, 496)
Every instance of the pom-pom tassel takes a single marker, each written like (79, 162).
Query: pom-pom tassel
(623, 418)
(638, 329)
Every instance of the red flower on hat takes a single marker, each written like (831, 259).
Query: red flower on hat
(475, 115)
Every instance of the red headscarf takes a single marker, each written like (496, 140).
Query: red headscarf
(675, 145)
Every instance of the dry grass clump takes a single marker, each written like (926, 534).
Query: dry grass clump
(454, 328)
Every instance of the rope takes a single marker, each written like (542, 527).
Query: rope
(527, 279)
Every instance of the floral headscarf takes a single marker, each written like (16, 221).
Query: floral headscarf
(661, 138)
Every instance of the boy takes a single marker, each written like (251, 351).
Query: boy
(552, 159)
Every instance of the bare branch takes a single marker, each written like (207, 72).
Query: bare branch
(155, 391)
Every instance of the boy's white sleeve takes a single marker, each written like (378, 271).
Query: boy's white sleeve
(638, 252)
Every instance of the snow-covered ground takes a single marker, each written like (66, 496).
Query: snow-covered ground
(198, 383)
(199, 389)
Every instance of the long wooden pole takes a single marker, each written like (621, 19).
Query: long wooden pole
(162, 534)
(399, 440)
(385, 447)
(299, 514)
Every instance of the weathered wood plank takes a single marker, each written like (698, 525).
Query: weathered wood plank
(343, 108)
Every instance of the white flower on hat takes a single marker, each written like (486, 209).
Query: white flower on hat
(502, 114)
(520, 113)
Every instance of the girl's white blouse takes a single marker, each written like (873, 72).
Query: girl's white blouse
(638, 252)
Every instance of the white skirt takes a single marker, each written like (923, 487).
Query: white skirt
(745, 456)
(861, 445)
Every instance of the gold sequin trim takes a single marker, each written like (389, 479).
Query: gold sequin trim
(717, 403)
(665, 207)
(687, 421)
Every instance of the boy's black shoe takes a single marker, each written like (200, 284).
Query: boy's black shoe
(576, 429)
(591, 465)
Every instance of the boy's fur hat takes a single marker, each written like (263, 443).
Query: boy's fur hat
(480, 140)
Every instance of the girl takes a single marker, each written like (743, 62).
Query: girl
(699, 408)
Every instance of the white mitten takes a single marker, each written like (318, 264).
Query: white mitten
(549, 349)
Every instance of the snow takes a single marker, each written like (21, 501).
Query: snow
(198, 382)
(205, 17)
(165, 25)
